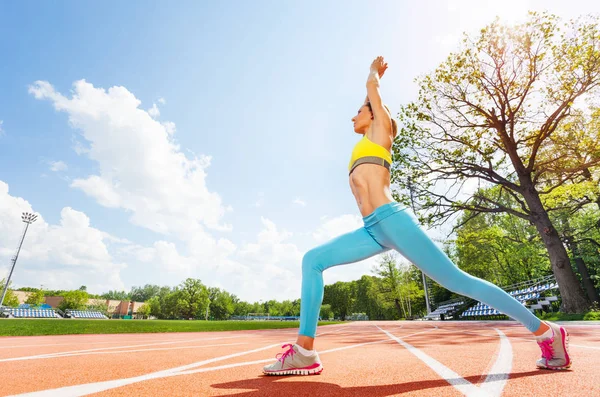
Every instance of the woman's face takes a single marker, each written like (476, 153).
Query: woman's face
(362, 120)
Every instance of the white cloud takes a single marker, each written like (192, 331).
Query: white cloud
(66, 255)
(1, 130)
(162, 101)
(332, 228)
(337, 226)
(169, 127)
(141, 168)
(299, 202)
(274, 264)
(153, 111)
(99, 188)
(58, 166)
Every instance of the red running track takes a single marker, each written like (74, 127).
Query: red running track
(360, 359)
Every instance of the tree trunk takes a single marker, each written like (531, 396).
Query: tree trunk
(587, 282)
(397, 303)
(573, 298)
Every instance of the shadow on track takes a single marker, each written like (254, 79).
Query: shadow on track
(269, 386)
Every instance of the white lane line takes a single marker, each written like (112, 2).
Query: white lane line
(140, 350)
(89, 342)
(497, 377)
(461, 384)
(61, 354)
(90, 388)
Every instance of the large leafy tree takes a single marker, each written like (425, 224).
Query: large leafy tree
(488, 114)
(192, 298)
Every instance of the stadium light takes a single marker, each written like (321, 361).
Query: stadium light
(28, 218)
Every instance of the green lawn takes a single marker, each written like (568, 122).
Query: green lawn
(558, 316)
(30, 327)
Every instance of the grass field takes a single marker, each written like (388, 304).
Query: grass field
(558, 316)
(31, 327)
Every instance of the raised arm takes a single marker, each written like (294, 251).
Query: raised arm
(380, 113)
(380, 71)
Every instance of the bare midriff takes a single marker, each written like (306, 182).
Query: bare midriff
(370, 184)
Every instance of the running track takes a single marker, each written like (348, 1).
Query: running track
(360, 359)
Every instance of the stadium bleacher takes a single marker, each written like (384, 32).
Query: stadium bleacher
(30, 313)
(527, 296)
(446, 309)
(85, 314)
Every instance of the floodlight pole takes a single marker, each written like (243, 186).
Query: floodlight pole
(28, 218)
(426, 293)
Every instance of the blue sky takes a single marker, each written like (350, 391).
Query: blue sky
(201, 139)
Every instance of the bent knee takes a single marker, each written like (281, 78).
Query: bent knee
(311, 262)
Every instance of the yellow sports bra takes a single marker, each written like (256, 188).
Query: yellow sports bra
(366, 151)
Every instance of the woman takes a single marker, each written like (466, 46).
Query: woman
(387, 225)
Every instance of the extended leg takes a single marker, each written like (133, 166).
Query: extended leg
(402, 232)
(347, 248)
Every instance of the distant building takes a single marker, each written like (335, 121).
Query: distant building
(22, 296)
(115, 307)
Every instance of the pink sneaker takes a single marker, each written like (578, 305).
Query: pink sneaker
(555, 350)
(292, 362)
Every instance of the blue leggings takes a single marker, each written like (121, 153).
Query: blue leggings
(391, 226)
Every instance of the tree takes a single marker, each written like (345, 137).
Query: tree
(154, 307)
(326, 313)
(213, 292)
(388, 270)
(221, 304)
(192, 298)
(144, 310)
(83, 288)
(142, 294)
(36, 298)
(241, 308)
(499, 248)
(116, 295)
(340, 297)
(397, 284)
(74, 300)
(486, 114)
(10, 299)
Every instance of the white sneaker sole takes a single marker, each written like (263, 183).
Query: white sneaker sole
(312, 371)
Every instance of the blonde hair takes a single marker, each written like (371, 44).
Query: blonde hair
(392, 120)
